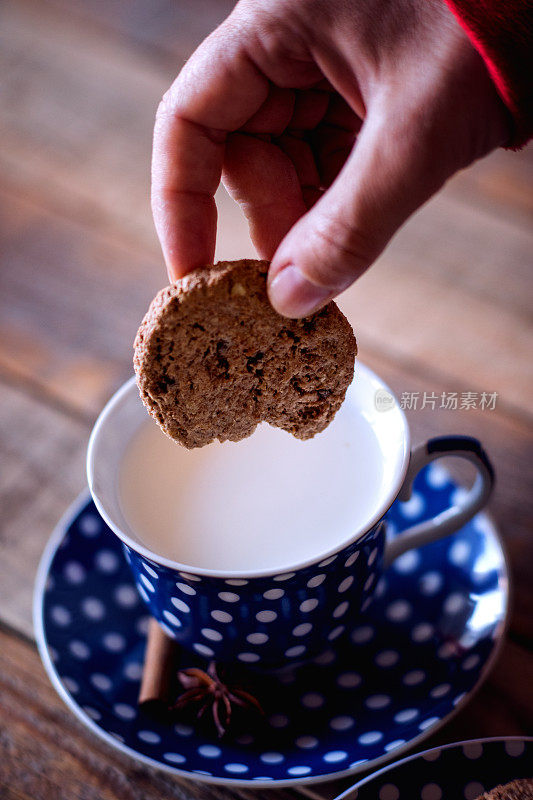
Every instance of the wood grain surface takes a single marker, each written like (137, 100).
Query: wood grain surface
(447, 308)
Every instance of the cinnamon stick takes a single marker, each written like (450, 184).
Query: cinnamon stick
(159, 677)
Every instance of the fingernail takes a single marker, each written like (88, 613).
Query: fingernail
(294, 296)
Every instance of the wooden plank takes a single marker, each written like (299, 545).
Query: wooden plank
(78, 111)
(466, 248)
(70, 305)
(401, 309)
(84, 151)
(500, 184)
(46, 753)
(42, 453)
(167, 33)
(71, 301)
(76, 121)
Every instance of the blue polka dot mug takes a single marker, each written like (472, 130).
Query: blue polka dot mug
(265, 617)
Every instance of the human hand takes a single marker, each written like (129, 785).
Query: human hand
(330, 123)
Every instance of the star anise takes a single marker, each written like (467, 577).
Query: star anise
(205, 689)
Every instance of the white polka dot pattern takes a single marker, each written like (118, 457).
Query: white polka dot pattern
(370, 738)
(389, 792)
(307, 742)
(106, 561)
(186, 589)
(147, 584)
(279, 720)
(74, 572)
(203, 649)
(114, 642)
(172, 619)
(61, 616)
(209, 751)
(297, 772)
(296, 651)
(79, 649)
(387, 658)
(180, 605)
(274, 594)
(303, 629)
(342, 723)
(126, 596)
(407, 715)
(93, 608)
(363, 634)
(214, 636)
(414, 677)
(149, 736)
(350, 561)
(272, 758)
(174, 758)
(349, 680)
(257, 638)
(473, 750)
(309, 605)
(266, 616)
(407, 563)
(398, 611)
(313, 700)
(413, 507)
(345, 584)
(133, 671)
(341, 609)
(514, 748)
(473, 789)
(363, 713)
(221, 616)
(229, 597)
(248, 658)
(378, 701)
(431, 792)
(335, 755)
(316, 580)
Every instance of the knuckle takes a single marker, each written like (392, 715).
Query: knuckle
(344, 249)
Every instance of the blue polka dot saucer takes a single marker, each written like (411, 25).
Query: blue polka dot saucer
(422, 647)
(462, 771)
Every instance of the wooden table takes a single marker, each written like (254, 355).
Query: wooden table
(446, 309)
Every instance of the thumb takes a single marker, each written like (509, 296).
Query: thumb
(389, 173)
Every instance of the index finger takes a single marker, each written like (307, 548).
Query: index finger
(216, 92)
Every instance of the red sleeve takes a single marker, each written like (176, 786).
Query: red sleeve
(502, 33)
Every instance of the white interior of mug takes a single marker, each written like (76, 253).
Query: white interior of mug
(368, 399)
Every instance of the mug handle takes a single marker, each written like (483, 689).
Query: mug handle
(456, 516)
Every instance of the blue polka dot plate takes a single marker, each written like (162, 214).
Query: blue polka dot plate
(419, 652)
(462, 771)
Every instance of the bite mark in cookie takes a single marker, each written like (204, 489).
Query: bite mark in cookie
(213, 359)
